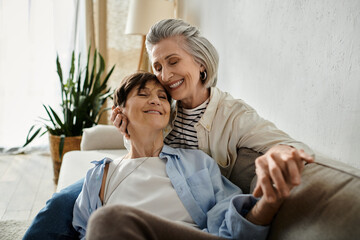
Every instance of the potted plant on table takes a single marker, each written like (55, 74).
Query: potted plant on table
(82, 99)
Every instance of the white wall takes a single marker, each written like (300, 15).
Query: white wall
(297, 62)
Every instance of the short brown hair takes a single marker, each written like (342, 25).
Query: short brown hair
(128, 83)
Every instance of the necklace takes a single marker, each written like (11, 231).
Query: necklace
(117, 165)
(117, 185)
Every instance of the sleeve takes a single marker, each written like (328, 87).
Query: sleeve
(227, 217)
(260, 134)
(88, 200)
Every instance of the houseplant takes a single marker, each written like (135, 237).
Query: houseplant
(82, 100)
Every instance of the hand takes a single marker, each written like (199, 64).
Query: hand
(278, 171)
(120, 121)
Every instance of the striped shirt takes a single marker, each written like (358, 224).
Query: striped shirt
(184, 134)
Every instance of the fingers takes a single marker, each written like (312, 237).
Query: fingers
(120, 121)
(277, 174)
(264, 183)
(257, 190)
(114, 113)
(279, 170)
(123, 126)
(306, 157)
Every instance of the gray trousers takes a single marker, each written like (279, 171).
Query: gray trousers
(122, 222)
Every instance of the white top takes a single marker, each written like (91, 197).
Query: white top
(146, 186)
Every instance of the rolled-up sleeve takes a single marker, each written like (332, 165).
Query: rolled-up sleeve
(237, 225)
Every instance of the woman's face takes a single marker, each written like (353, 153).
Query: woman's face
(147, 107)
(176, 69)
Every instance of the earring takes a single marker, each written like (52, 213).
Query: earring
(203, 76)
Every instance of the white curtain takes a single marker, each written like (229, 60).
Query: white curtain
(32, 32)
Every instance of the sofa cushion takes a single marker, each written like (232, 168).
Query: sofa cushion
(243, 171)
(101, 137)
(325, 206)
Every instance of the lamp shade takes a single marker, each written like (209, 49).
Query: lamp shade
(144, 13)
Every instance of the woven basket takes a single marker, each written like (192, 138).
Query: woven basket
(70, 144)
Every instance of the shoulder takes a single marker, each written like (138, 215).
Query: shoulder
(96, 172)
(226, 101)
(190, 157)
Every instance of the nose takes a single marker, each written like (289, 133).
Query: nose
(165, 74)
(154, 100)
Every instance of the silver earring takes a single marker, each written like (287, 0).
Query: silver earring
(203, 76)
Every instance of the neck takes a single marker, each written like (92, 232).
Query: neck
(145, 144)
(197, 99)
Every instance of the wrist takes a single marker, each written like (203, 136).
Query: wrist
(263, 212)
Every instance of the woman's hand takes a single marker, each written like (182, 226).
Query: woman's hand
(278, 171)
(120, 121)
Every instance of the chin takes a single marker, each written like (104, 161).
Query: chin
(177, 95)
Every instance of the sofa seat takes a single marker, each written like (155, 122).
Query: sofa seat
(76, 164)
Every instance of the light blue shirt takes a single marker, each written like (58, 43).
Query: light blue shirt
(215, 204)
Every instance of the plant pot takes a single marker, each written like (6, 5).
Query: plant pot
(70, 144)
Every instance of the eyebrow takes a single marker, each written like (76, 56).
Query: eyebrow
(171, 55)
(146, 88)
(162, 90)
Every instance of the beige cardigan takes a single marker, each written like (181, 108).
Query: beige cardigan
(228, 124)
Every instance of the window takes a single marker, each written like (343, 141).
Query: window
(31, 33)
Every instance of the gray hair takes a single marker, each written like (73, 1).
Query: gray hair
(196, 45)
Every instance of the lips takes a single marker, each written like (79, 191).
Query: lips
(153, 112)
(176, 84)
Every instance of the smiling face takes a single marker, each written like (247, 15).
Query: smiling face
(178, 71)
(147, 107)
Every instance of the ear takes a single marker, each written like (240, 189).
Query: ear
(202, 68)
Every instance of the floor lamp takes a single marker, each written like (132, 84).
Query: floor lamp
(143, 14)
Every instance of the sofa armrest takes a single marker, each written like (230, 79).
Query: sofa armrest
(325, 206)
(101, 137)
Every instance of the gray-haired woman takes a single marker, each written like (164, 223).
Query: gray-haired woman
(208, 119)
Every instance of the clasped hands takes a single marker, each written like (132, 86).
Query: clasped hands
(278, 171)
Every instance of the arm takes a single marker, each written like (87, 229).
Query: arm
(227, 217)
(283, 160)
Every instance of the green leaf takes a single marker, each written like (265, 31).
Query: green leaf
(99, 73)
(29, 138)
(92, 73)
(58, 120)
(107, 77)
(51, 119)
